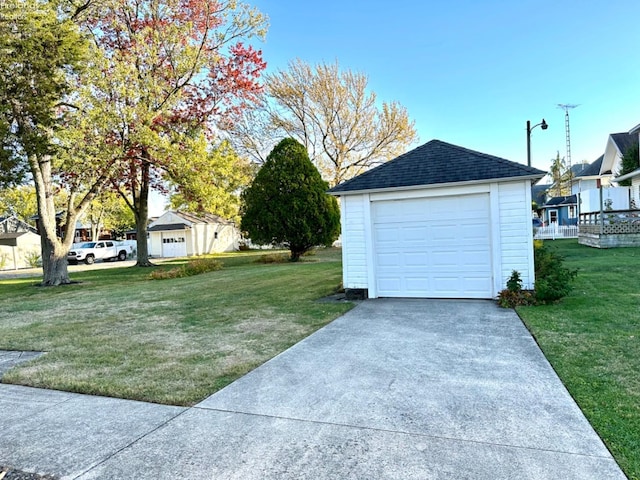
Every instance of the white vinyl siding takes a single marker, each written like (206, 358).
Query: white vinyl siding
(516, 232)
(354, 248)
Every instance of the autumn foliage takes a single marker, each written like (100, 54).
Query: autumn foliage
(169, 72)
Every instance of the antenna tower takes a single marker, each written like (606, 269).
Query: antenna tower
(566, 107)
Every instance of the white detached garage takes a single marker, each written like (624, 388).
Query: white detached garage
(440, 221)
(181, 234)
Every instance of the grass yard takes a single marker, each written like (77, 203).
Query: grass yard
(592, 339)
(176, 341)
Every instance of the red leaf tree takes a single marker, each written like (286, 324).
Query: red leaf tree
(170, 70)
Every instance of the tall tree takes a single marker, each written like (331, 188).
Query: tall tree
(43, 52)
(332, 113)
(210, 179)
(287, 202)
(173, 68)
(561, 177)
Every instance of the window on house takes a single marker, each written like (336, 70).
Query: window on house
(215, 235)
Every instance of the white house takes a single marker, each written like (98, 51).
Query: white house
(633, 176)
(617, 146)
(440, 221)
(180, 234)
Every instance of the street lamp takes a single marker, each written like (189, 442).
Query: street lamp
(542, 125)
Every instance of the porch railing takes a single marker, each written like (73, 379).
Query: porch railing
(610, 222)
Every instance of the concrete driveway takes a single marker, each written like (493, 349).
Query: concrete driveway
(394, 389)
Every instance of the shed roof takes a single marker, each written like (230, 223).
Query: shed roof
(437, 162)
(166, 227)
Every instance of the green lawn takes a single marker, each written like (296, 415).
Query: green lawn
(119, 334)
(592, 339)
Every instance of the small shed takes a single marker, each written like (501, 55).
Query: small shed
(182, 234)
(18, 242)
(440, 221)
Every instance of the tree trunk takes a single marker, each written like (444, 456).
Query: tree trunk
(141, 212)
(54, 251)
(54, 264)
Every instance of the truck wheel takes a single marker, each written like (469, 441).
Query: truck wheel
(122, 256)
(89, 260)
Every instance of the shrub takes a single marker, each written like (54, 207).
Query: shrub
(33, 259)
(4, 259)
(193, 267)
(273, 258)
(513, 295)
(553, 280)
(510, 299)
(514, 284)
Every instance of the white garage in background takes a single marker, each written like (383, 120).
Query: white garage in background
(440, 221)
(182, 234)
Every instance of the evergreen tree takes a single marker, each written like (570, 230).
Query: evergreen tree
(287, 202)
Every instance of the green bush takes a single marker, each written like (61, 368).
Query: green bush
(514, 295)
(33, 259)
(193, 267)
(553, 280)
(273, 258)
(4, 259)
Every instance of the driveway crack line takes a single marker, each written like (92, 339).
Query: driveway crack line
(130, 444)
(415, 434)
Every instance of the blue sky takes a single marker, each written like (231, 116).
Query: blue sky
(473, 72)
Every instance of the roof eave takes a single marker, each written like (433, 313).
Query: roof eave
(627, 176)
(437, 185)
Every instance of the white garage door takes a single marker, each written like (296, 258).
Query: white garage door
(174, 244)
(433, 247)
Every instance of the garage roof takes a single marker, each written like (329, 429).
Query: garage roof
(169, 227)
(437, 162)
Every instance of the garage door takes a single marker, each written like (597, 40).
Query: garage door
(434, 248)
(174, 245)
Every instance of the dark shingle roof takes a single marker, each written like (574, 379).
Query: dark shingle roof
(436, 162)
(168, 227)
(593, 169)
(624, 141)
(555, 201)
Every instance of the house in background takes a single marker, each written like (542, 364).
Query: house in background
(560, 211)
(18, 243)
(617, 146)
(588, 178)
(440, 221)
(181, 234)
(609, 216)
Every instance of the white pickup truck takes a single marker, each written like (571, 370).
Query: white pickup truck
(105, 250)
